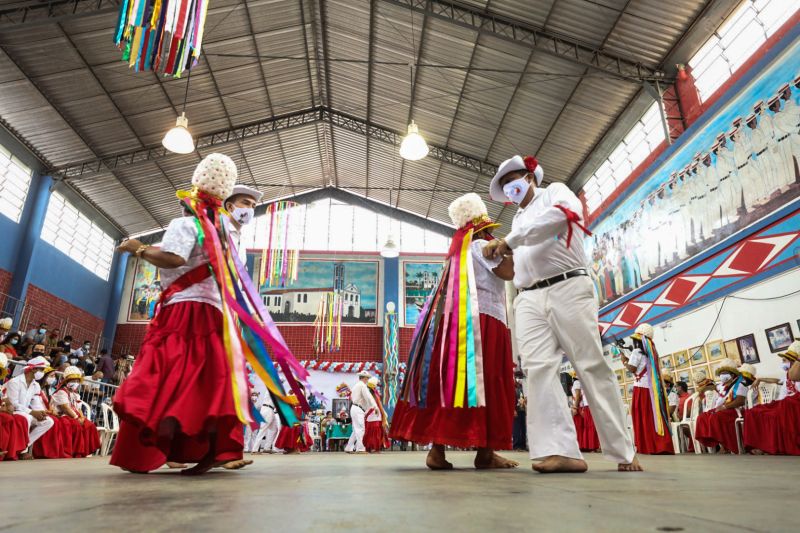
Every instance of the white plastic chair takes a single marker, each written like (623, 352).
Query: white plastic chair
(769, 392)
(86, 410)
(110, 428)
(313, 430)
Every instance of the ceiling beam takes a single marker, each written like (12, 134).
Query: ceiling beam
(35, 14)
(524, 34)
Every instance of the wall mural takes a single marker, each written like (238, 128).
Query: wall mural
(145, 292)
(419, 279)
(354, 281)
(743, 164)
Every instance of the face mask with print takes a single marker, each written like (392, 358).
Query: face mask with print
(516, 190)
(72, 386)
(786, 366)
(87, 347)
(38, 375)
(243, 215)
(50, 380)
(725, 378)
(42, 331)
(14, 341)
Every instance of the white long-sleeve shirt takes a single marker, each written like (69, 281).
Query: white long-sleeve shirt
(539, 237)
(25, 398)
(362, 397)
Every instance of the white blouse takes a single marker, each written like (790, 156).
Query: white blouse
(576, 386)
(640, 360)
(181, 239)
(491, 289)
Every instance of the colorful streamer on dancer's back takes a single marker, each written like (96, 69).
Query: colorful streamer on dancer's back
(161, 35)
(658, 394)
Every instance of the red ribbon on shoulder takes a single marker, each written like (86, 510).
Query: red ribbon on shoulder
(573, 218)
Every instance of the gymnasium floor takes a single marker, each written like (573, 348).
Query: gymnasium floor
(393, 492)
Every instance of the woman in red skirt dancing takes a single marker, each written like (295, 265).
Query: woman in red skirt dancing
(187, 397)
(376, 434)
(459, 390)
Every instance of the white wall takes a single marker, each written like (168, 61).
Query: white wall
(326, 383)
(738, 318)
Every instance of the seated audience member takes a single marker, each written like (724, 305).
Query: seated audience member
(13, 429)
(66, 344)
(774, 428)
(5, 327)
(37, 335)
(325, 428)
(11, 346)
(672, 393)
(683, 395)
(23, 393)
(85, 439)
(50, 446)
(105, 364)
(718, 427)
(53, 338)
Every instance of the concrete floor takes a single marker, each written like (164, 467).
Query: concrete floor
(393, 492)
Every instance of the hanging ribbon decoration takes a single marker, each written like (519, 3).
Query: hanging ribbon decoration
(279, 262)
(658, 393)
(249, 333)
(390, 361)
(328, 323)
(161, 35)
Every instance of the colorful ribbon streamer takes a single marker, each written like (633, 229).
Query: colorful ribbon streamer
(658, 393)
(328, 323)
(279, 262)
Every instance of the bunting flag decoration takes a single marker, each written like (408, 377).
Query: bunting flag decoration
(658, 394)
(249, 333)
(161, 35)
(279, 262)
(452, 312)
(328, 323)
(390, 359)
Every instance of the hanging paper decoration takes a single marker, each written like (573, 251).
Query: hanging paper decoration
(343, 390)
(279, 262)
(328, 323)
(161, 35)
(390, 376)
(352, 368)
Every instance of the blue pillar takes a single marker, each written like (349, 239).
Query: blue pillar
(391, 279)
(32, 220)
(119, 268)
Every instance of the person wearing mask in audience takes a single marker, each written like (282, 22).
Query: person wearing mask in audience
(23, 392)
(83, 350)
(718, 427)
(672, 393)
(325, 428)
(67, 399)
(50, 446)
(683, 394)
(106, 365)
(774, 428)
(361, 402)
(13, 428)
(5, 327)
(53, 338)
(649, 409)
(66, 344)
(37, 335)
(11, 346)
(376, 434)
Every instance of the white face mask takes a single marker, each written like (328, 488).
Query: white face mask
(516, 190)
(50, 380)
(72, 386)
(786, 366)
(38, 375)
(725, 378)
(243, 215)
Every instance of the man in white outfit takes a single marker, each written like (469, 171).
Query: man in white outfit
(557, 312)
(23, 392)
(362, 402)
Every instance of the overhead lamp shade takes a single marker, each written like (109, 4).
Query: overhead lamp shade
(413, 146)
(390, 249)
(178, 139)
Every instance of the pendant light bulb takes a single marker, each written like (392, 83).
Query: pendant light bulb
(390, 249)
(179, 139)
(413, 146)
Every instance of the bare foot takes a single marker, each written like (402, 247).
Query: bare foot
(233, 465)
(27, 456)
(633, 466)
(756, 452)
(493, 461)
(436, 460)
(557, 464)
(2, 454)
(135, 471)
(173, 464)
(205, 464)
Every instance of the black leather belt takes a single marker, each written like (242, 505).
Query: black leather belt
(713, 189)
(726, 177)
(742, 165)
(555, 279)
(271, 407)
(779, 139)
(762, 151)
(701, 197)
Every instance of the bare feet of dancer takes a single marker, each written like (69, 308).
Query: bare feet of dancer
(486, 458)
(633, 466)
(207, 462)
(557, 464)
(173, 464)
(233, 465)
(436, 460)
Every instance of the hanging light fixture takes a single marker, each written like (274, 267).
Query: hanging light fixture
(178, 139)
(413, 146)
(390, 249)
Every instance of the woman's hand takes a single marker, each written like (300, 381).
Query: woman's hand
(129, 245)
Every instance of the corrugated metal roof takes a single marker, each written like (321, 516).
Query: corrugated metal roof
(64, 89)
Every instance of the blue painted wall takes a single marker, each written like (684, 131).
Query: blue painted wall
(9, 235)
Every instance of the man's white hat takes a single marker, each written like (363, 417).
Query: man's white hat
(517, 162)
(215, 175)
(6, 323)
(247, 191)
(364, 374)
(38, 362)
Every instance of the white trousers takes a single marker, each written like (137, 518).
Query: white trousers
(563, 319)
(267, 430)
(37, 428)
(356, 442)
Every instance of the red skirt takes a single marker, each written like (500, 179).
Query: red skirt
(774, 428)
(717, 428)
(51, 444)
(474, 427)
(14, 435)
(295, 438)
(644, 429)
(375, 438)
(179, 394)
(588, 441)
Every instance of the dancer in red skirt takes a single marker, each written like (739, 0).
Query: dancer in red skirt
(774, 428)
(376, 434)
(187, 397)
(649, 410)
(295, 438)
(459, 390)
(718, 427)
(51, 444)
(588, 440)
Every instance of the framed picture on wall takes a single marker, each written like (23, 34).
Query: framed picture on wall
(747, 349)
(622, 391)
(779, 337)
(684, 375)
(700, 372)
(620, 376)
(145, 292)
(628, 375)
(732, 350)
(629, 391)
(715, 351)
(419, 279)
(697, 355)
(667, 363)
(681, 360)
